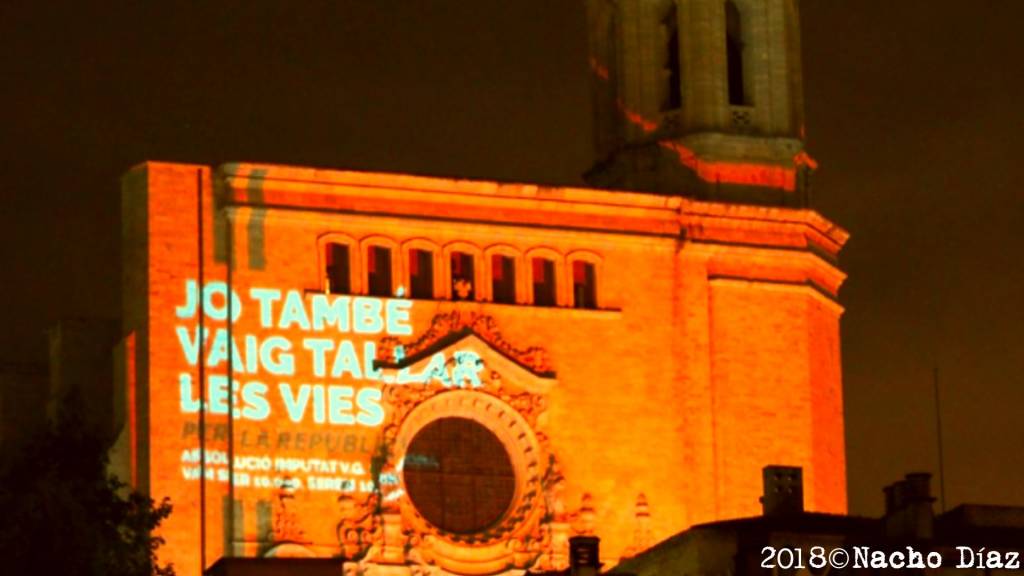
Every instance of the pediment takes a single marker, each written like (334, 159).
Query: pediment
(465, 356)
(465, 359)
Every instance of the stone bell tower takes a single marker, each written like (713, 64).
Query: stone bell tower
(701, 98)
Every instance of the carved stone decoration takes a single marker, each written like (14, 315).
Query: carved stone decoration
(509, 401)
(516, 540)
(585, 519)
(512, 430)
(643, 523)
(455, 323)
(561, 525)
(555, 551)
(642, 532)
(391, 542)
(530, 406)
(554, 492)
(285, 527)
(358, 526)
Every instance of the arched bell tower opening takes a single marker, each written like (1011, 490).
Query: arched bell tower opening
(734, 46)
(671, 68)
(701, 98)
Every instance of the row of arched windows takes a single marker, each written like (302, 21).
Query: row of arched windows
(420, 269)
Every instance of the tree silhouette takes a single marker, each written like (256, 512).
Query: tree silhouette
(61, 513)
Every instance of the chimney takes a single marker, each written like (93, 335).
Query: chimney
(583, 555)
(783, 491)
(919, 487)
(908, 508)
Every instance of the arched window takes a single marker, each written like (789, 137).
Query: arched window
(337, 269)
(734, 47)
(421, 258)
(381, 264)
(545, 270)
(584, 271)
(545, 285)
(504, 271)
(670, 68)
(503, 279)
(463, 267)
(584, 285)
(339, 263)
(461, 261)
(378, 271)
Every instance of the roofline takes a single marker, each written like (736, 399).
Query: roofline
(679, 204)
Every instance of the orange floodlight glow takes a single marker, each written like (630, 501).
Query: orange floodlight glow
(697, 343)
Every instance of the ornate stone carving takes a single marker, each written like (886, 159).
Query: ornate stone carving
(455, 323)
(530, 406)
(555, 547)
(388, 529)
(520, 538)
(642, 531)
(391, 545)
(285, 527)
(554, 492)
(358, 526)
(584, 520)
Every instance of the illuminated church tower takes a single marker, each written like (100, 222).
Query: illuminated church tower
(701, 97)
(620, 360)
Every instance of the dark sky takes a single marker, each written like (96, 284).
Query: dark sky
(914, 113)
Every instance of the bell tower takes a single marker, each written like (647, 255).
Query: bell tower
(701, 98)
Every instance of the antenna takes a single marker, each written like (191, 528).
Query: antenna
(938, 427)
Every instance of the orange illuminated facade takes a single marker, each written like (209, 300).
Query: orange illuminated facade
(708, 348)
(437, 376)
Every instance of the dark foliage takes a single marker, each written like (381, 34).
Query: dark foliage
(61, 513)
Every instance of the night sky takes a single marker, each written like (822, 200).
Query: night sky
(914, 113)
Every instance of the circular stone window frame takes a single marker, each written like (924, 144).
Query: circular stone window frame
(515, 435)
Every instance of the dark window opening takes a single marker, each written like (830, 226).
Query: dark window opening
(503, 279)
(543, 282)
(462, 276)
(421, 274)
(671, 68)
(584, 285)
(378, 271)
(734, 54)
(337, 270)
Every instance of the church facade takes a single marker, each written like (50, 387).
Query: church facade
(431, 375)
